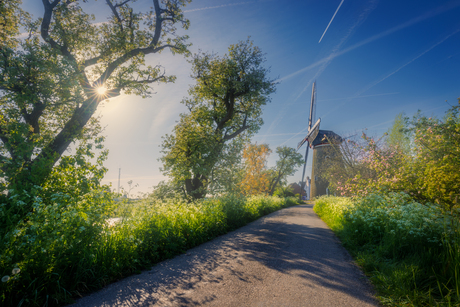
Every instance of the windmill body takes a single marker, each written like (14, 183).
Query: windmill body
(318, 140)
(321, 155)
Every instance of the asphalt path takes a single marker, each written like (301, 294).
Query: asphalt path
(287, 258)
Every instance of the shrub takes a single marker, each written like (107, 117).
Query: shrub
(410, 250)
(73, 247)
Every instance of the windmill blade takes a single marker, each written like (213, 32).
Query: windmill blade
(314, 131)
(312, 106)
(312, 134)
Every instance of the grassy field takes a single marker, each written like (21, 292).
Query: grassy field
(410, 251)
(68, 249)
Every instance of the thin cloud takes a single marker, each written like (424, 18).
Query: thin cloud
(276, 134)
(221, 6)
(411, 22)
(301, 132)
(324, 64)
(361, 18)
(333, 16)
(407, 63)
(361, 96)
(358, 94)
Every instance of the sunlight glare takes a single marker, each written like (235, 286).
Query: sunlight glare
(101, 90)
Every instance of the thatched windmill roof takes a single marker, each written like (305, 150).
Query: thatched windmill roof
(326, 137)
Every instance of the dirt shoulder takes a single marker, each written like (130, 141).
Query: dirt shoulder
(288, 258)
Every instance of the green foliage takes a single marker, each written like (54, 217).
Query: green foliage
(49, 82)
(228, 171)
(76, 175)
(284, 192)
(427, 170)
(71, 248)
(225, 110)
(287, 164)
(397, 136)
(410, 250)
(167, 190)
(11, 18)
(256, 175)
(437, 158)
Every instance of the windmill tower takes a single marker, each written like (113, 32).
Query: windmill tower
(318, 140)
(321, 155)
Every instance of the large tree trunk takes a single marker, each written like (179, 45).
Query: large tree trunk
(273, 186)
(25, 185)
(196, 187)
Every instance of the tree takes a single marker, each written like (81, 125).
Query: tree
(52, 82)
(228, 171)
(166, 190)
(256, 179)
(225, 103)
(10, 19)
(397, 135)
(288, 161)
(433, 171)
(348, 163)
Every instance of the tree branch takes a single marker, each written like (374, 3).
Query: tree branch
(237, 132)
(44, 31)
(115, 13)
(6, 142)
(122, 59)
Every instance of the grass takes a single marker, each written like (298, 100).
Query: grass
(410, 251)
(66, 249)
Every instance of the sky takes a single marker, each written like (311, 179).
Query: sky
(371, 61)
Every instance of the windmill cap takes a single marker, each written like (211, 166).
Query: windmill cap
(326, 137)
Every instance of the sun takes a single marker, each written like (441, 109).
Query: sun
(101, 90)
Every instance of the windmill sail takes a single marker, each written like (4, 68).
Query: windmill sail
(312, 133)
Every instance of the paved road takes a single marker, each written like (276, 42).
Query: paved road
(288, 258)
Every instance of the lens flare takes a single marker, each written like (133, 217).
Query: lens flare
(101, 90)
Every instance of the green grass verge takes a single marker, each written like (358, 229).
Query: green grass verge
(66, 249)
(410, 251)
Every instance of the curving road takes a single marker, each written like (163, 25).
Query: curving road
(288, 258)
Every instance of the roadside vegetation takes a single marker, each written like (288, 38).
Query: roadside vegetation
(62, 233)
(67, 249)
(399, 213)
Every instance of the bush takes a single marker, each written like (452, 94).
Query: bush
(69, 248)
(410, 250)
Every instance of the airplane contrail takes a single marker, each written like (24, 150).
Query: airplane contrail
(331, 21)
(359, 93)
(406, 24)
(404, 65)
(363, 16)
(361, 96)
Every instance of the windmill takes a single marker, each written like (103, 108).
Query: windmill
(318, 140)
(311, 135)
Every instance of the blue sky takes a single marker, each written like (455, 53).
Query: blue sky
(376, 59)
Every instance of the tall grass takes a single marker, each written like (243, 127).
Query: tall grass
(67, 249)
(410, 251)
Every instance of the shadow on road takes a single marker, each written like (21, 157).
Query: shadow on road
(282, 241)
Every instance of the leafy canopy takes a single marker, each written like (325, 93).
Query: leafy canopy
(225, 109)
(50, 81)
(256, 179)
(287, 164)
